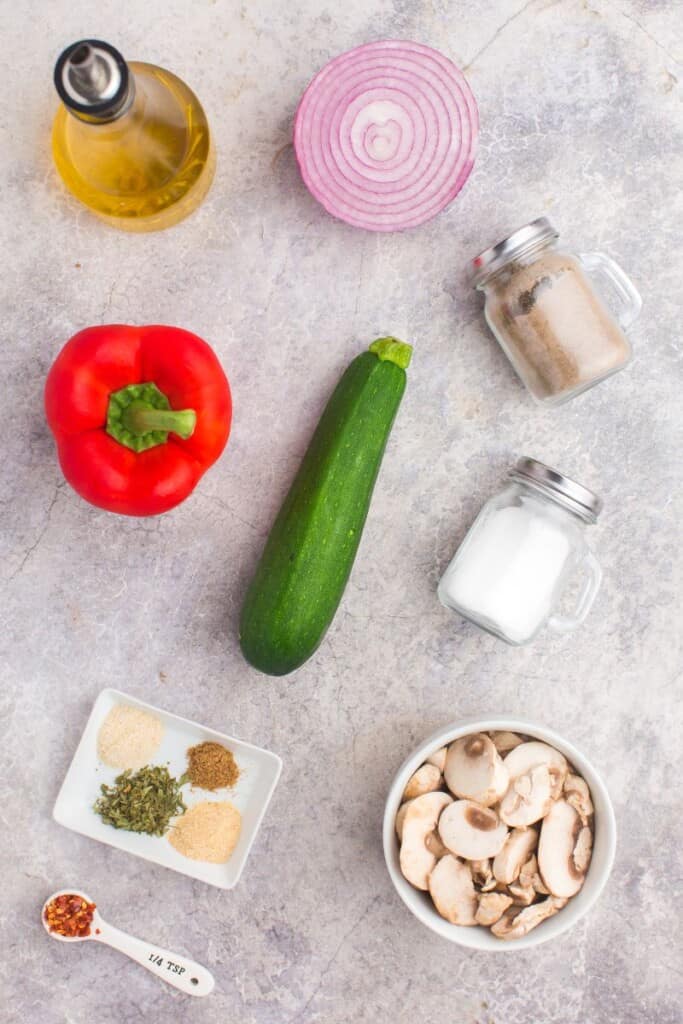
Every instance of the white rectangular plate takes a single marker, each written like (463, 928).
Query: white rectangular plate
(259, 772)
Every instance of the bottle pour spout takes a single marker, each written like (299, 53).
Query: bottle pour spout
(89, 73)
(93, 81)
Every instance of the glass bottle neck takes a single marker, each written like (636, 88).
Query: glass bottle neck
(109, 116)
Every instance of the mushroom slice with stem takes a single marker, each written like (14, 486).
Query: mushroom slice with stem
(540, 886)
(471, 831)
(435, 846)
(529, 876)
(452, 891)
(420, 818)
(577, 793)
(503, 926)
(528, 799)
(501, 887)
(522, 895)
(527, 871)
(515, 922)
(505, 741)
(529, 755)
(563, 852)
(520, 843)
(482, 874)
(492, 906)
(583, 849)
(475, 771)
(438, 758)
(432, 840)
(426, 779)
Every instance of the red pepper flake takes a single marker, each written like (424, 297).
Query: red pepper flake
(69, 915)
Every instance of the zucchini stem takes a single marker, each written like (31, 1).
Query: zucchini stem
(393, 351)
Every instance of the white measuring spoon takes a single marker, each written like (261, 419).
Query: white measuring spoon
(190, 977)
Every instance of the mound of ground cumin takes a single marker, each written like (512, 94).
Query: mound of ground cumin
(211, 766)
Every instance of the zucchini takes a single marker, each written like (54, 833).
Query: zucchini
(310, 550)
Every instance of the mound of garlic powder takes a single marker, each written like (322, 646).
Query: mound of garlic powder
(129, 737)
(498, 828)
(209, 831)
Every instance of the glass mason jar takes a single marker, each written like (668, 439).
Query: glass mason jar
(525, 547)
(554, 327)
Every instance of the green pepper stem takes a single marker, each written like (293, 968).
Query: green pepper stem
(139, 416)
(140, 419)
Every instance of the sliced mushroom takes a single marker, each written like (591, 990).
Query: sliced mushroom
(471, 831)
(583, 850)
(400, 818)
(504, 742)
(515, 922)
(435, 846)
(426, 779)
(492, 906)
(520, 843)
(529, 755)
(452, 891)
(438, 758)
(562, 855)
(540, 886)
(503, 926)
(420, 818)
(475, 771)
(432, 840)
(527, 871)
(577, 793)
(501, 887)
(522, 895)
(529, 876)
(529, 797)
(482, 874)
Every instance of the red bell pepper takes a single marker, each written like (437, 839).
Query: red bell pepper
(138, 414)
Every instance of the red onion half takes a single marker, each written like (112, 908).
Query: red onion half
(386, 135)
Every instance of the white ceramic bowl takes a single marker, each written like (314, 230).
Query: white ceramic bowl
(604, 845)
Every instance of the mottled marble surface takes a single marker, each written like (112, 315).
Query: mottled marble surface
(581, 120)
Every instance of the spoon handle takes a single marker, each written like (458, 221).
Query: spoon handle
(177, 970)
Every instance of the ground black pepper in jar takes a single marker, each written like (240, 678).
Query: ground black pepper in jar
(554, 327)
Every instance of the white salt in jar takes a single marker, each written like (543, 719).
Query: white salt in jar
(521, 553)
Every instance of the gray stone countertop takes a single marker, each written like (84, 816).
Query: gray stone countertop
(581, 120)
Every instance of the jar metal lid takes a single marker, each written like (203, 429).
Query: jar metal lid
(563, 489)
(491, 260)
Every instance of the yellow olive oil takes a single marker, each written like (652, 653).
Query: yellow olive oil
(130, 140)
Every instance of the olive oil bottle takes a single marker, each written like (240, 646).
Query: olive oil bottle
(130, 140)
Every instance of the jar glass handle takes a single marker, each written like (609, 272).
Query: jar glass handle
(606, 270)
(567, 623)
